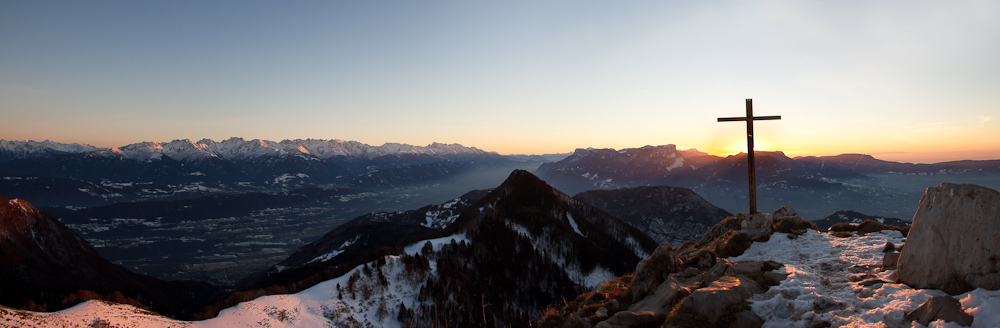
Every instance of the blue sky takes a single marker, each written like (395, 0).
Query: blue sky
(916, 78)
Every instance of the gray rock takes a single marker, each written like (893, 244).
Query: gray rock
(702, 260)
(721, 296)
(689, 272)
(718, 270)
(667, 294)
(760, 271)
(747, 319)
(757, 220)
(889, 261)
(953, 237)
(602, 313)
(748, 268)
(940, 307)
(649, 273)
(783, 212)
(632, 319)
(773, 278)
(794, 225)
(820, 324)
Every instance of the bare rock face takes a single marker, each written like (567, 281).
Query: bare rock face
(783, 212)
(651, 272)
(668, 293)
(889, 261)
(954, 239)
(721, 295)
(631, 319)
(758, 221)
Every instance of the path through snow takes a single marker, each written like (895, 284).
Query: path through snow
(826, 283)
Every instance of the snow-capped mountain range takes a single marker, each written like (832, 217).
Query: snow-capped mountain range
(10, 150)
(55, 174)
(233, 149)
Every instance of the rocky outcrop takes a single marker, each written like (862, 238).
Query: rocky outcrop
(721, 296)
(651, 272)
(940, 308)
(668, 293)
(631, 319)
(689, 286)
(952, 241)
(890, 260)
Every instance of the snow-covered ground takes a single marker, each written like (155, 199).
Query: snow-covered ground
(826, 283)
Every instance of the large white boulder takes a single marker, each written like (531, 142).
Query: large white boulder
(955, 238)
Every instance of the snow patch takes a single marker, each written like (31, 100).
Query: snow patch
(572, 223)
(416, 248)
(433, 217)
(677, 163)
(286, 177)
(334, 253)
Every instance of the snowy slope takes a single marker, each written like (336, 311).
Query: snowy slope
(374, 230)
(825, 284)
(360, 298)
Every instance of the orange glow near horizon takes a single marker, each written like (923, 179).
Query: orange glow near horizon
(890, 150)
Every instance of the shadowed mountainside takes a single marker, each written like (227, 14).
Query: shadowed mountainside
(45, 263)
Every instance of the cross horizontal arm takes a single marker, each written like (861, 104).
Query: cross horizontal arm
(755, 118)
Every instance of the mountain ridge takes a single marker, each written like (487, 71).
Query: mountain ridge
(872, 186)
(667, 214)
(234, 148)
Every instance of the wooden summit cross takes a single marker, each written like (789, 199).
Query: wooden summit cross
(750, 167)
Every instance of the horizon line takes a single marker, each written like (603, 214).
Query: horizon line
(922, 157)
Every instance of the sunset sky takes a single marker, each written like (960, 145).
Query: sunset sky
(914, 81)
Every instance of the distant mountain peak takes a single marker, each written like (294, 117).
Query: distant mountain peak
(11, 150)
(520, 176)
(693, 152)
(15, 213)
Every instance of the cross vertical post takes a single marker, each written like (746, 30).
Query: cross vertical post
(751, 169)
